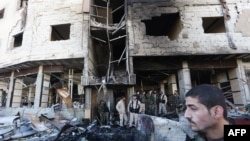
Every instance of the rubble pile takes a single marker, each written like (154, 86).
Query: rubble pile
(108, 133)
(42, 128)
(53, 127)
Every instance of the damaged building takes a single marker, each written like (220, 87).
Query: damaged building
(103, 49)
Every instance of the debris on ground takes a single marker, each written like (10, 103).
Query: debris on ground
(51, 126)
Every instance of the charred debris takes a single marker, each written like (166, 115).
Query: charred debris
(54, 127)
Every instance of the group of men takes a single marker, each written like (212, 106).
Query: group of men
(205, 104)
(151, 103)
(133, 108)
(157, 103)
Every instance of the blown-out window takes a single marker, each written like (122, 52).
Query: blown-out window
(1, 13)
(23, 3)
(18, 39)
(164, 25)
(213, 25)
(60, 32)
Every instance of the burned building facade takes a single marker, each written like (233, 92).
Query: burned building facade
(101, 50)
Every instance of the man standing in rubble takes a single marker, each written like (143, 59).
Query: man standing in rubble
(134, 110)
(143, 102)
(151, 103)
(156, 102)
(103, 112)
(162, 103)
(174, 101)
(121, 108)
(3, 97)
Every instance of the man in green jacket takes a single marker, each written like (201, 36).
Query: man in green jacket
(103, 111)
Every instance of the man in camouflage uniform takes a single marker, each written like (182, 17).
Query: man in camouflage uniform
(149, 102)
(143, 98)
(152, 105)
(3, 97)
(174, 101)
(156, 96)
(103, 112)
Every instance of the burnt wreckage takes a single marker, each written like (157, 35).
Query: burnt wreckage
(53, 127)
(115, 68)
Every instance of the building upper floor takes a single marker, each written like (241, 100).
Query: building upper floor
(34, 30)
(178, 27)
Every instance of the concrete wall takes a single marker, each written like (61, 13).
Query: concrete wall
(42, 14)
(192, 39)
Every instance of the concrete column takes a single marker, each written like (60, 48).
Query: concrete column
(45, 90)
(242, 84)
(39, 86)
(110, 100)
(17, 95)
(235, 87)
(70, 83)
(184, 80)
(171, 84)
(131, 91)
(87, 105)
(162, 87)
(11, 89)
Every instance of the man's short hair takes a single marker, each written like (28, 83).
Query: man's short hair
(209, 96)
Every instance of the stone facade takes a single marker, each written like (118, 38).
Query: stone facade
(41, 16)
(191, 39)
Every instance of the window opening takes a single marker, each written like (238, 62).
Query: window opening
(213, 25)
(1, 13)
(164, 25)
(23, 3)
(60, 32)
(18, 39)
